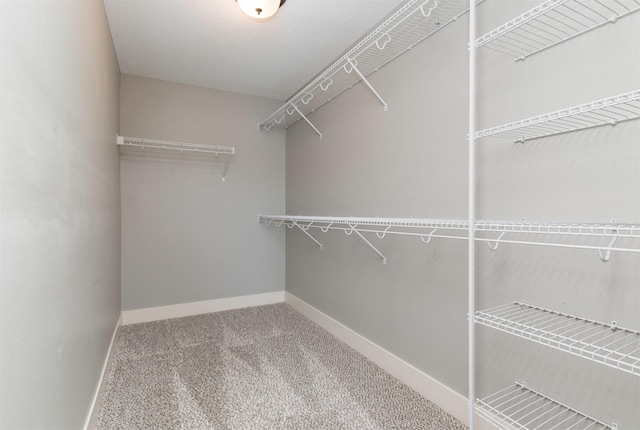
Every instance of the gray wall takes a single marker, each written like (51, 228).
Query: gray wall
(60, 214)
(412, 161)
(186, 235)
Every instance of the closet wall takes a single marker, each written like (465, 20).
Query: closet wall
(60, 213)
(412, 161)
(187, 236)
(408, 161)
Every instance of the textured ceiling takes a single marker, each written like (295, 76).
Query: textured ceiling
(210, 43)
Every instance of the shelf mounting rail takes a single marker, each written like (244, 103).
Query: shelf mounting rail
(553, 22)
(413, 22)
(137, 142)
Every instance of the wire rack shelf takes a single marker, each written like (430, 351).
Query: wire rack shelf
(380, 226)
(520, 407)
(347, 222)
(405, 28)
(177, 146)
(138, 142)
(619, 237)
(553, 22)
(606, 230)
(608, 111)
(607, 344)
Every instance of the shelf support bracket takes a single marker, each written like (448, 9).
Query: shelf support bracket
(375, 93)
(605, 254)
(353, 230)
(224, 169)
(305, 118)
(302, 229)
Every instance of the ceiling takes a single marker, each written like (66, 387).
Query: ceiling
(210, 43)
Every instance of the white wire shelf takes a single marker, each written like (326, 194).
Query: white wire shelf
(400, 32)
(607, 344)
(520, 407)
(138, 142)
(553, 22)
(608, 111)
(603, 238)
(618, 237)
(380, 226)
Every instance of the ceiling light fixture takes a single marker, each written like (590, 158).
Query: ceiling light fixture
(260, 10)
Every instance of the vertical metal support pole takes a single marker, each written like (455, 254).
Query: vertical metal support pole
(472, 208)
(353, 66)
(308, 122)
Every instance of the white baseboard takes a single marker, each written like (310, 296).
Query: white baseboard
(196, 308)
(430, 388)
(94, 402)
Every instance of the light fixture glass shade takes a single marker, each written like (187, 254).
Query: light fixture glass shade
(259, 10)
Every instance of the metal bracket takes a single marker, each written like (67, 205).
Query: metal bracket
(353, 67)
(224, 169)
(304, 230)
(353, 230)
(605, 254)
(305, 118)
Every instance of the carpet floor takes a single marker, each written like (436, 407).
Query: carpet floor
(266, 367)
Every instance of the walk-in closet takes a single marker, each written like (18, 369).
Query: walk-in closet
(294, 214)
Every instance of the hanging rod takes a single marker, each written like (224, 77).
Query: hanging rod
(540, 233)
(520, 407)
(553, 22)
(400, 32)
(603, 343)
(139, 142)
(607, 111)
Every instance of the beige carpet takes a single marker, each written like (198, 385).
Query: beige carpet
(266, 367)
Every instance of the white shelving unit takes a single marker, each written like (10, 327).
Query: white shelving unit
(519, 407)
(553, 22)
(545, 26)
(137, 142)
(608, 111)
(412, 23)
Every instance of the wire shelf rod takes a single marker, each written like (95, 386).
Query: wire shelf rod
(439, 228)
(520, 407)
(138, 142)
(556, 229)
(552, 23)
(374, 221)
(172, 145)
(602, 230)
(400, 32)
(603, 343)
(607, 111)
